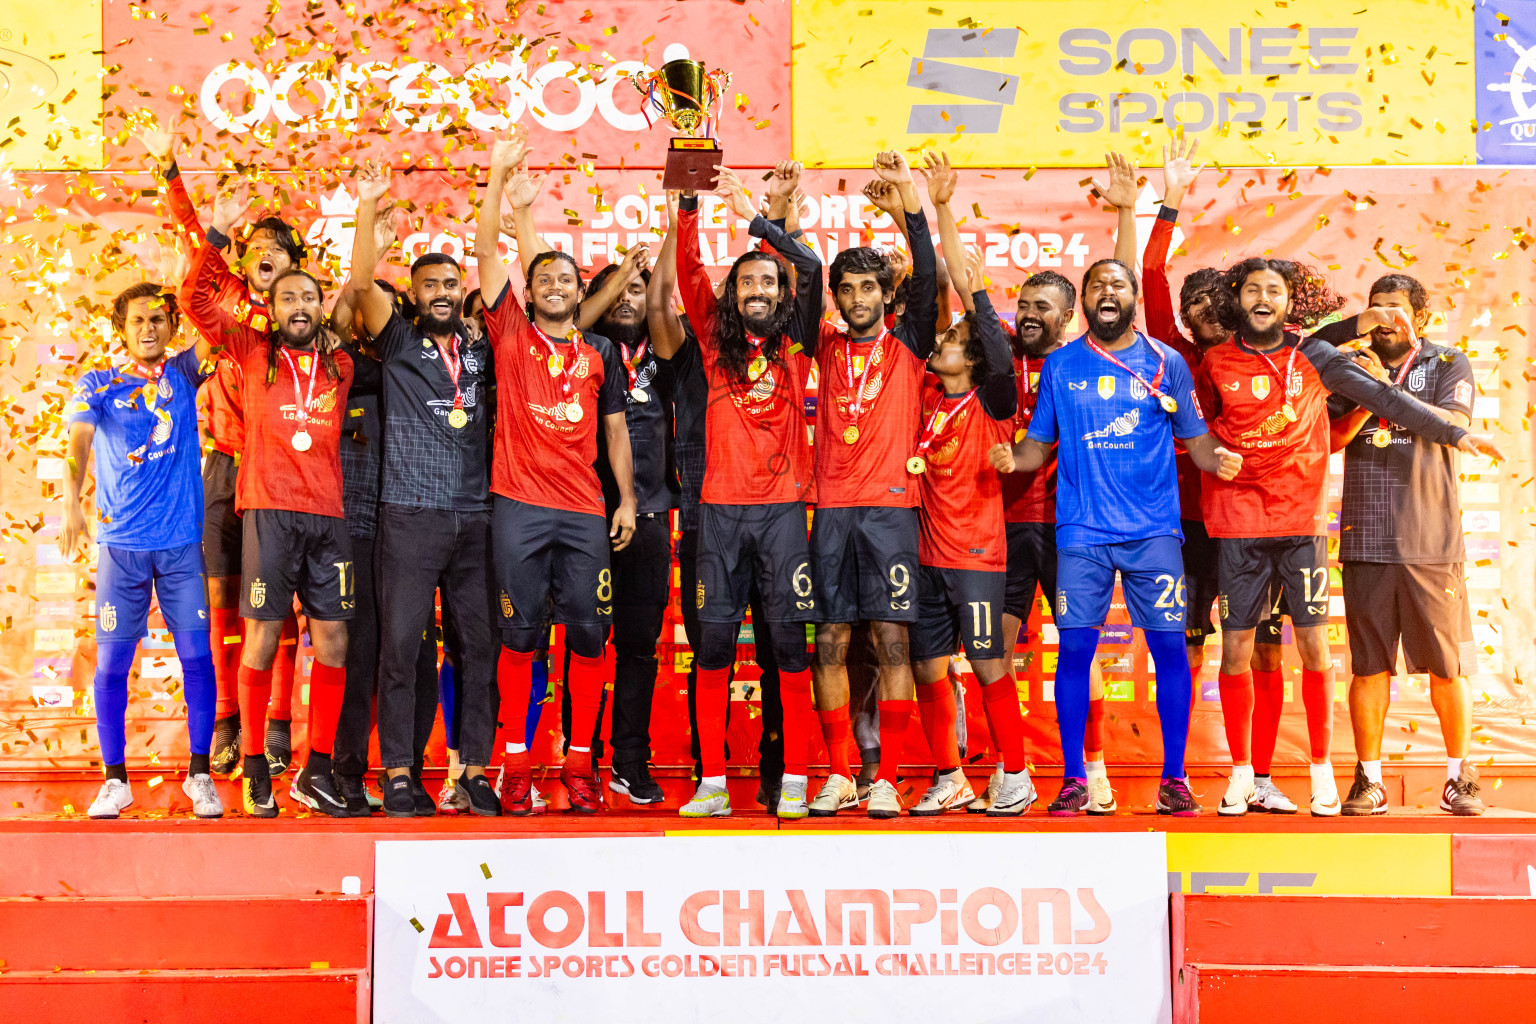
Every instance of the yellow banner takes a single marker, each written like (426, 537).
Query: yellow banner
(1348, 863)
(1055, 83)
(50, 85)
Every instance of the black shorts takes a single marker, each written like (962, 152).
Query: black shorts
(866, 563)
(1272, 629)
(223, 536)
(549, 560)
(1423, 606)
(1200, 586)
(1251, 567)
(961, 606)
(296, 554)
(766, 543)
(1031, 563)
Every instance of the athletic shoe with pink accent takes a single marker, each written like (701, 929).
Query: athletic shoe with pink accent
(1174, 797)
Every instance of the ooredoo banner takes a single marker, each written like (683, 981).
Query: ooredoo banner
(972, 927)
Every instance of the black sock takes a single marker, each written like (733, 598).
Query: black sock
(198, 765)
(1257, 776)
(115, 771)
(255, 767)
(318, 763)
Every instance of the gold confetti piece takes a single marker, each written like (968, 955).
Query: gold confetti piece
(485, 869)
(319, 965)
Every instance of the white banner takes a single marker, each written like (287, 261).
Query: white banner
(848, 927)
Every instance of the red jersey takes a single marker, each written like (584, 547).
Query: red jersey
(273, 473)
(961, 524)
(1029, 497)
(1164, 326)
(756, 450)
(1272, 407)
(544, 455)
(225, 420)
(883, 424)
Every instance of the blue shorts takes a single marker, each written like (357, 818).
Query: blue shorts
(124, 580)
(1151, 576)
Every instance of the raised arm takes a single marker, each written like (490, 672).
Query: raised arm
(1178, 174)
(199, 297)
(369, 244)
(1121, 194)
(595, 304)
(805, 326)
(522, 191)
(506, 153)
(666, 326)
(999, 392)
(941, 193)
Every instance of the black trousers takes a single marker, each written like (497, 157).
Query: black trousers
(421, 550)
(350, 754)
(770, 747)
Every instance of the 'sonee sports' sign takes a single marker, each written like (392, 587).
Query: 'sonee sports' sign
(817, 927)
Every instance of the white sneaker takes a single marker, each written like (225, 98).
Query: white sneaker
(1267, 799)
(114, 798)
(709, 802)
(452, 799)
(838, 793)
(1325, 792)
(949, 790)
(884, 801)
(1101, 796)
(1239, 792)
(205, 799)
(1014, 796)
(540, 805)
(792, 799)
(982, 802)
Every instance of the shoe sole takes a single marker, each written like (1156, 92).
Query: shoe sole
(1271, 810)
(1325, 813)
(792, 817)
(1179, 814)
(614, 787)
(1064, 813)
(1008, 811)
(726, 813)
(261, 812)
(977, 810)
(1454, 811)
(883, 815)
(1346, 812)
(1222, 811)
(1103, 812)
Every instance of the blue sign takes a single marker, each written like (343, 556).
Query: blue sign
(1506, 82)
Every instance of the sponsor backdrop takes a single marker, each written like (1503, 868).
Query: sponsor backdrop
(937, 927)
(297, 101)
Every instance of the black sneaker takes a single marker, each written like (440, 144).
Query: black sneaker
(768, 794)
(1174, 797)
(1072, 799)
(355, 793)
(482, 795)
(635, 782)
(399, 802)
(1365, 797)
(279, 746)
(256, 789)
(226, 745)
(315, 788)
(1460, 794)
(422, 800)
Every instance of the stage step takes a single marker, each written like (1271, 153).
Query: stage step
(157, 997)
(1400, 931)
(179, 933)
(1208, 993)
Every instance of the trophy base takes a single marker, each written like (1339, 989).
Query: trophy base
(691, 165)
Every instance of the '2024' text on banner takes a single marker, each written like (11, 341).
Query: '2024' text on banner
(987, 927)
(1057, 82)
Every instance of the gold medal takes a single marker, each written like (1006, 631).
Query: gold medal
(1170, 406)
(457, 419)
(916, 464)
(1289, 412)
(556, 364)
(301, 441)
(1381, 438)
(573, 412)
(639, 395)
(851, 434)
(756, 369)
(149, 392)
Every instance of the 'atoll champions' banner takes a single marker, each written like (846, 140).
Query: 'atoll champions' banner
(973, 927)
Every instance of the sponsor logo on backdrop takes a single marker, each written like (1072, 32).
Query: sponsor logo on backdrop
(1506, 82)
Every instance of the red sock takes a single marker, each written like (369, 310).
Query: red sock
(1001, 702)
(1268, 703)
(514, 679)
(327, 684)
(895, 716)
(834, 729)
(1237, 712)
(1093, 738)
(712, 698)
(799, 712)
(586, 681)
(1317, 696)
(225, 632)
(283, 671)
(255, 687)
(936, 709)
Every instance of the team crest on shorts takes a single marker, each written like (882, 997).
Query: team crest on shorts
(1260, 387)
(108, 617)
(1222, 606)
(1061, 604)
(258, 593)
(506, 605)
(1106, 387)
(699, 596)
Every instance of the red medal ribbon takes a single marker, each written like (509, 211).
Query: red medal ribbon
(856, 401)
(567, 366)
(1290, 363)
(632, 360)
(453, 364)
(931, 431)
(1157, 378)
(1381, 421)
(302, 414)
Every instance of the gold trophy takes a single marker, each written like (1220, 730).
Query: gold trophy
(683, 91)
